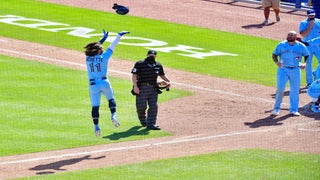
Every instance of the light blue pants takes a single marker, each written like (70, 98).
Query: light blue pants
(293, 76)
(312, 51)
(314, 89)
(100, 86)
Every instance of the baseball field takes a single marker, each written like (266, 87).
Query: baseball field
(216, 118)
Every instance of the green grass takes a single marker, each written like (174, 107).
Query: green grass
(253, 63)
(240, 164)
(45, 107)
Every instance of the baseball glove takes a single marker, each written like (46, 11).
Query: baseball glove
(163, 85)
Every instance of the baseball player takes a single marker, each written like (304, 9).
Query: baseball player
(144, 78)
(314, 43)
(97, 67)
(309, 29)
(314, 92)
(290, 53)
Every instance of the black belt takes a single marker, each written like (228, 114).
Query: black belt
(291, 67)
(103, 78)
(147, 84)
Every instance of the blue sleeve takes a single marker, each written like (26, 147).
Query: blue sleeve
(303, 26)
(314, 42)
(277, 50)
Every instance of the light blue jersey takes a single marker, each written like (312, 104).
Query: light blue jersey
(97, 66)
(315, 43)
(315, 30)
(290, 57)
(314, 89)
(314, 33)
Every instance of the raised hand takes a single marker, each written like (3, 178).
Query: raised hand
(105, 36)
(123, 33)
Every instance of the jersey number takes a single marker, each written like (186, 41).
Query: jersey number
(95, 66)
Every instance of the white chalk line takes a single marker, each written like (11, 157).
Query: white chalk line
(128, 74)
(134, 147)
(153, 144)
(310, 130)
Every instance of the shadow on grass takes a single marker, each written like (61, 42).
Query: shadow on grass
(57, 166)
(134, 131)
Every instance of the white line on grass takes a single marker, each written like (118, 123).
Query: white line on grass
(152, 144)
(124, 73)
(134, 147)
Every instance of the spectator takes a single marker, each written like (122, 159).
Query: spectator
(267, 4)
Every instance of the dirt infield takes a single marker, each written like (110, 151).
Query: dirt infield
(222, 115)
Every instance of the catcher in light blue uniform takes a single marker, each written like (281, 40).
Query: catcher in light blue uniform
(97, 67)
(290, 53)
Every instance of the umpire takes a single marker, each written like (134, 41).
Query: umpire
(144, 78)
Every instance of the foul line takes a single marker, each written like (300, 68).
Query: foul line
(128, 74)
(134, 147)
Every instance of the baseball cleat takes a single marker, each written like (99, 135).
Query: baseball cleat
(278, 17)
(115, 120)
(294, 113)
(97, 130)
(154, 127)
(276, 112)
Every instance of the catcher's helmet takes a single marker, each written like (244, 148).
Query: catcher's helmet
(122, 10)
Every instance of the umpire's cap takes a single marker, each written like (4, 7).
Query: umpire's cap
(152, 52)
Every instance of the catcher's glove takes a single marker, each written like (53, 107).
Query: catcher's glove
(163, 85)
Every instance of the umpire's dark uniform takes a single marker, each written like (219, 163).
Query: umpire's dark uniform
(144, 77)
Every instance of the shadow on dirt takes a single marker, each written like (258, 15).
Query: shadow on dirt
(287, 93)
(134, 131)
(268, 121)
(57, 166)
(256, 26)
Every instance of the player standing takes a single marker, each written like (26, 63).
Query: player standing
(289, 65)
(97, 68)
(309, 29)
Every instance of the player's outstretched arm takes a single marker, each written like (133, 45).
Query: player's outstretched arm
(117, 39)
(105, 36)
